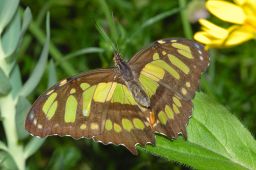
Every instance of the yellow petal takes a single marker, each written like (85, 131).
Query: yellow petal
(240, 2)
(206, 39)
(244, 2)
(212, 29)
(252, 3)
(238, 35)
(202, 37)
(250, 11)
(226, 11)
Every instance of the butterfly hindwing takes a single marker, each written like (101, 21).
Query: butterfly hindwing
(169, 72)
(129, 128)
(172, 113)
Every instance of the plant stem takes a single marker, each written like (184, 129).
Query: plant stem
(8, 113)
(184, 17)
(7, 106)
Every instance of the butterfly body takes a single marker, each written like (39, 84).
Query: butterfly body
(126, 105)
(131, 81)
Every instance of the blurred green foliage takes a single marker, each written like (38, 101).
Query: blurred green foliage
(76, 46)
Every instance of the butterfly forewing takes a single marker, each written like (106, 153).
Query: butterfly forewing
(99, 105)
(94, 105)
(60, 108)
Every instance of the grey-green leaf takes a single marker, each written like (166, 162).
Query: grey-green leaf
(11, 35)
(22, 108)
(5, 85)
(7, 11)
(52, 74)
(14, 34)
(6, 161)
(3, 147)
(27, 17)
(15, 80)
(34, 79)
(216, 140)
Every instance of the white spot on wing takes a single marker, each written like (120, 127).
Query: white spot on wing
(31, 116)
(85, 113)
(56, 125)
(39, 126)
(161, 41)
(49, 92)
(35, 121)
(63, 82)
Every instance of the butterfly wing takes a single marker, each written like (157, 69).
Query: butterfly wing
(98, 105)
(169, 72)
(93, 105)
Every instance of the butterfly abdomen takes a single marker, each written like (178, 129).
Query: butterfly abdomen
(138, 93)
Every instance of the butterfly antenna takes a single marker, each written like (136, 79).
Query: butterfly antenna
(106, 37)
(117, 50)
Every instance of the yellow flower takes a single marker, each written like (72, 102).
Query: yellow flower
(241, 14)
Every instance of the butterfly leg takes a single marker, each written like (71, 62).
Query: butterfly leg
(152, 119)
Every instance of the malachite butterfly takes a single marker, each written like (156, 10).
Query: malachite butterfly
(125, 105)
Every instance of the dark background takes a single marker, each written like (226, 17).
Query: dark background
(231, 78)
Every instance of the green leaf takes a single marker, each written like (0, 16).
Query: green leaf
(34, 79)
(7, 11)
(150, 22)
(82, 52)
(22, 108)
(5, 86)
(216, 140)
(184, 18)
(33, 145)
(105, 9)
(64, 157)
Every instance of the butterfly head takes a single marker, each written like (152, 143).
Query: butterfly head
(117, 59)
(123, 68)
(120, 63)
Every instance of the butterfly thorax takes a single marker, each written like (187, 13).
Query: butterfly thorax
(131, 81)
